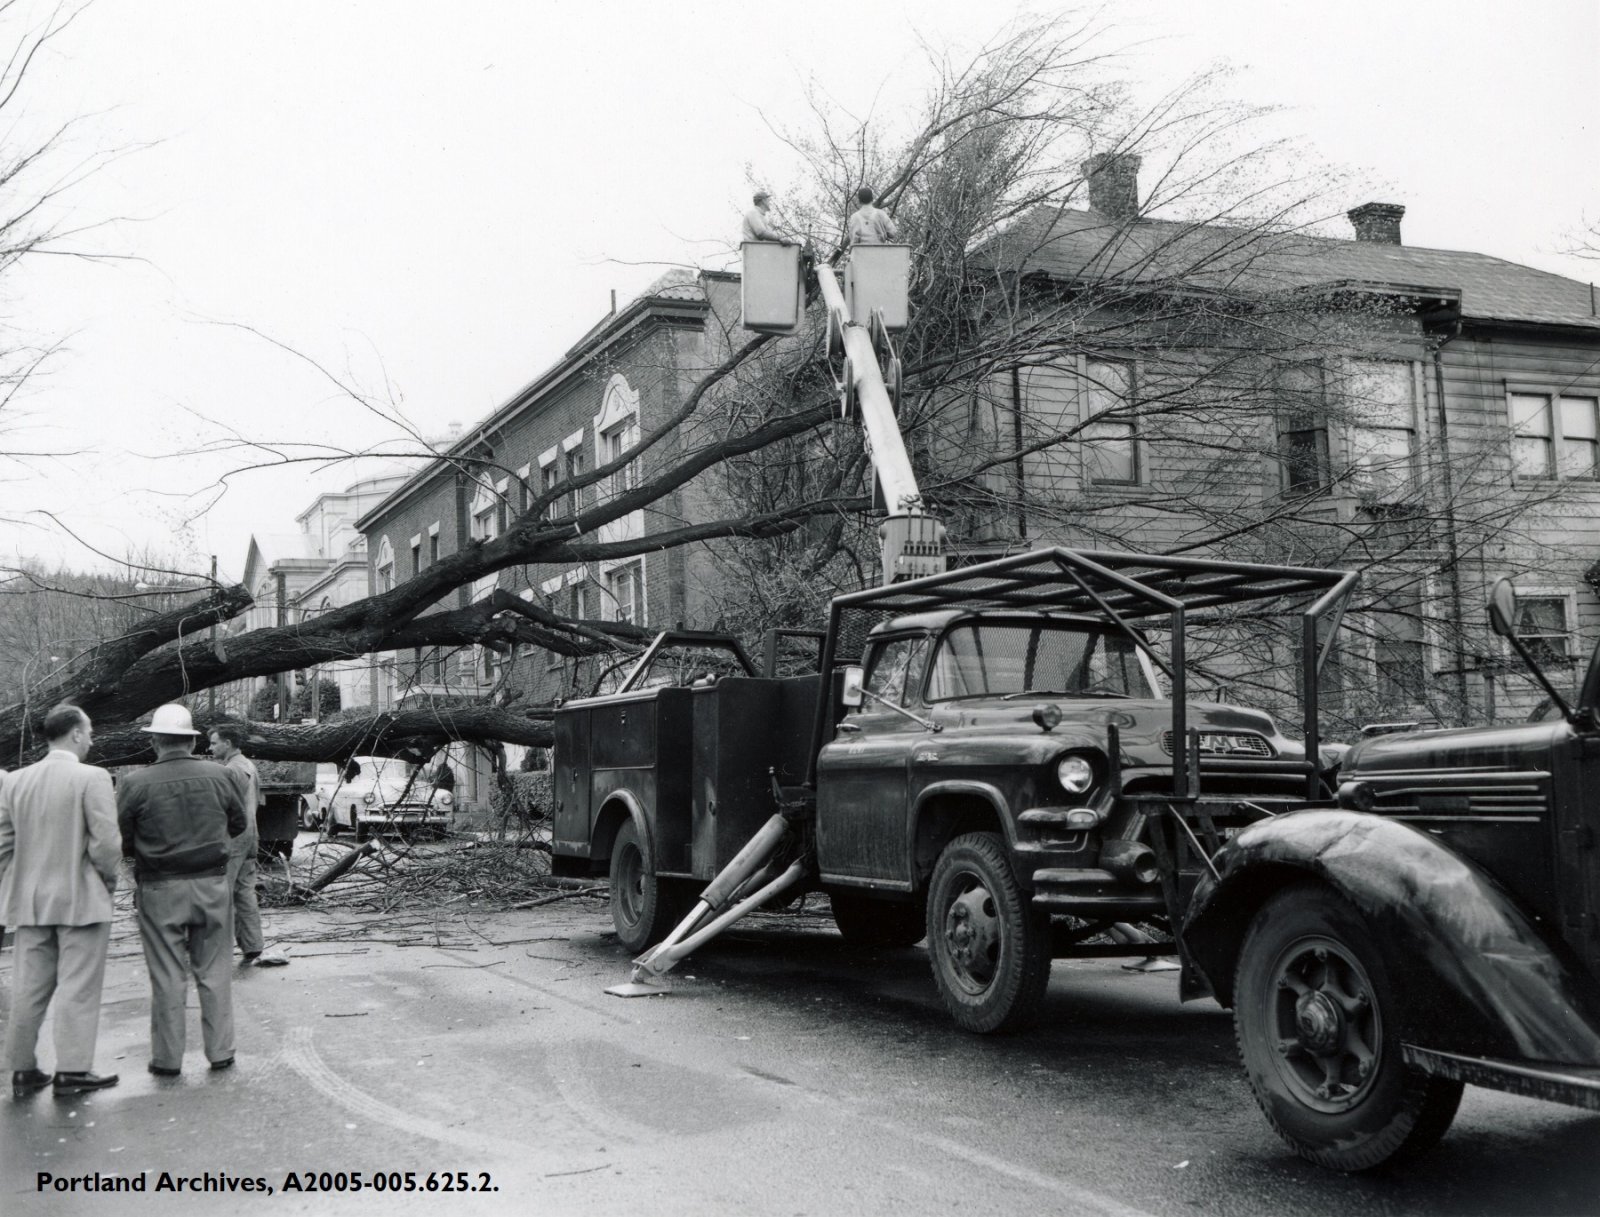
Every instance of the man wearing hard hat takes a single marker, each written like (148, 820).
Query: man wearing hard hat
(176, 818)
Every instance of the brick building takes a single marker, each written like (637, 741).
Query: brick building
(630, 371)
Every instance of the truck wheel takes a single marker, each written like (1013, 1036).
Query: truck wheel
(878, 923)
(1319, 1025)
(642, 906)
(333, 821)
(990, 948)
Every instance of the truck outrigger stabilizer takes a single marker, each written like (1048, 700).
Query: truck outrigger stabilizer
(725, 901)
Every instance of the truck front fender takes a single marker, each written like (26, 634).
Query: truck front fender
(1485, 978)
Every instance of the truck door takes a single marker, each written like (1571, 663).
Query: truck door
(863, 823)
(1577, 846)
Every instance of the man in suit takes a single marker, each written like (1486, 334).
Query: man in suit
(177, 816)
(59, 848)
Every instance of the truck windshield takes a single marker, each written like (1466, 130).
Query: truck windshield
(996, 659)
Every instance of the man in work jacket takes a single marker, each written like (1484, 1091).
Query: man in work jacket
(177, 816)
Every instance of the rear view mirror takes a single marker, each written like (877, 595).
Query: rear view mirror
(854, 676)
(1503, 609)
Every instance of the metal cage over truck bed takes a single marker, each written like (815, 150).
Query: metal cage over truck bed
(1131, 589)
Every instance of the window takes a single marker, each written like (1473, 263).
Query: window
(1110, 446)
(1382, 429)
(549, 476)
(1554, 435)
(1545, 628)
(896, 670)
(416, 559)
(995, 659)
(574, 462)
(433, 549)
(625, 593)
(485, 513)
(613, 444)
(384, 566)
(1400, 656)
(1302, 429)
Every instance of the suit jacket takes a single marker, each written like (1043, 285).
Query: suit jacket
(59, 843)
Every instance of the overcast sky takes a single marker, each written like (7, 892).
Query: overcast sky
(434, 201)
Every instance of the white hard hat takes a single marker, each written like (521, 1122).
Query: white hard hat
(171, 719)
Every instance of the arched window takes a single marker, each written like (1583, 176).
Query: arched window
(384, 566)
(488, 511)
(616, 429)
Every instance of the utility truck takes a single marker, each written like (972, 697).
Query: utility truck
(1003, 758)
(1006, 759)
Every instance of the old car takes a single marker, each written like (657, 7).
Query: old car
(1438, 927)
(376, 794)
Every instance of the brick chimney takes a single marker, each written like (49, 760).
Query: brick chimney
(1377, 222)
(1113, 184)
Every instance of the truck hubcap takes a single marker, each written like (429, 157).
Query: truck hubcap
(972, 936)
(1327, 1026)
(630, 870)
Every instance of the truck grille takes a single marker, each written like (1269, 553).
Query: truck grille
(1225, 743)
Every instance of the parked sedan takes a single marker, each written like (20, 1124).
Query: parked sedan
(376, 794)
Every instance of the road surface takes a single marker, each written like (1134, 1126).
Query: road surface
(784, 1075)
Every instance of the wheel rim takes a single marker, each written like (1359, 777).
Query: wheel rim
(1326, 1028)
(972, 934)
(630, 883)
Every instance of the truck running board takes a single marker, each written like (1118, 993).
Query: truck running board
(1574, 1085)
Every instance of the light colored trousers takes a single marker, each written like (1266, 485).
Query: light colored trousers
(68, 961)
(184, 925)
(242, 885)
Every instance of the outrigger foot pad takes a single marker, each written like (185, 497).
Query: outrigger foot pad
(640, 988)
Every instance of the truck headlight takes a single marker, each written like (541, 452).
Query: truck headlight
(1075, 774)
(370, 798)
(445, 798)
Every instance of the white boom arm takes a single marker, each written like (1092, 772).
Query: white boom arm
(913, 541)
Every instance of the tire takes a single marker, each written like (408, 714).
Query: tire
(643, 907)
(333, 821)
(878, 923)
(362, 831)
(1319, 1023)
(989, 947)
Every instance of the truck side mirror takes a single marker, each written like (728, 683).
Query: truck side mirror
(1503, 608)
(854, 678)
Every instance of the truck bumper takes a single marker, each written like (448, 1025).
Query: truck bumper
(1574, 1085)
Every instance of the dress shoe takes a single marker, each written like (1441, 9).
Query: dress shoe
(227, 1064)
(82, 1083)
(28, 1081)
(161, 1071)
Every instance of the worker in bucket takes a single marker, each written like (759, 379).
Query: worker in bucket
(756, 227)
(870, 225)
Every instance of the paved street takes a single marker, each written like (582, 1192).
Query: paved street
(784, 1075)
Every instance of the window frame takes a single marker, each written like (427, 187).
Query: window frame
(1555, 438)
(633, 567)
(1568, 599)
(1088, 386)
(1284, 414)
(1366, 484)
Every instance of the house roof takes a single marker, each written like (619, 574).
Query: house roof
(1078, 244)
